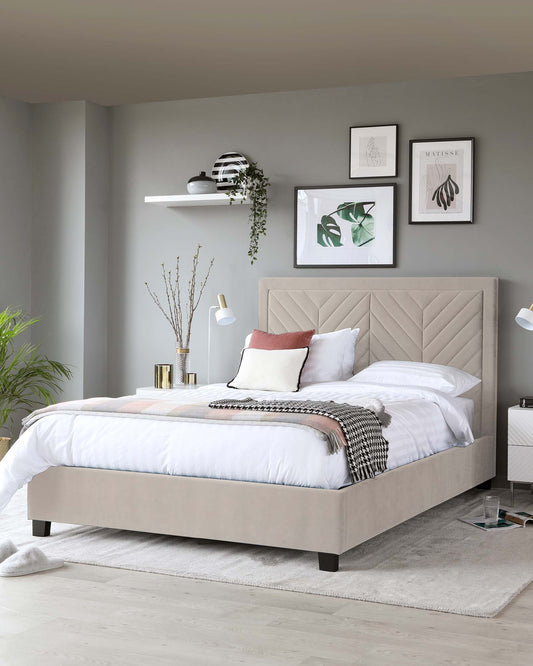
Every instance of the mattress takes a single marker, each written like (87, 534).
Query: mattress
(423, 422)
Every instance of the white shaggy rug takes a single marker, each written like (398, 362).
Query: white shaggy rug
(433, 561)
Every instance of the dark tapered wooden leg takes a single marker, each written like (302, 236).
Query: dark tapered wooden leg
(486, 485)
(328, 562)
(41, 528)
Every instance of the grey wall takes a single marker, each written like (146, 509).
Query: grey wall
(15, 204)
(54, 214)
(15, 209)
(97, 200)
(58, 245)
(70, 161)
(301, 138)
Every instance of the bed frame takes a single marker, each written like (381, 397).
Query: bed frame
(452, 321)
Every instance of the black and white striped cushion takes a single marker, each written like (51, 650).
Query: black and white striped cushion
(226, 168)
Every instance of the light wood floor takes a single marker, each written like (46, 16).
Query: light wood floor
(97, 616)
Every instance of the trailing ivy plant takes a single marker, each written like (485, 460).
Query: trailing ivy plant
(253, 184)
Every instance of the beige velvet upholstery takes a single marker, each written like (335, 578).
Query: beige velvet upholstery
(330, 521)
(445, 320)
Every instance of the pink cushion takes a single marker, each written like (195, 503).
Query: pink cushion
(296, 340)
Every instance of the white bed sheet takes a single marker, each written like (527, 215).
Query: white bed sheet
(423, 422)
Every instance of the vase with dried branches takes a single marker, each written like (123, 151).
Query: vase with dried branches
(180, 314)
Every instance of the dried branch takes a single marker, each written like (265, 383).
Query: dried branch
(173, 312)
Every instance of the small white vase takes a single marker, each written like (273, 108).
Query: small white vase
(201, 184)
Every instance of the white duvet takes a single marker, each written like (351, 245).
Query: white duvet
(423, 422)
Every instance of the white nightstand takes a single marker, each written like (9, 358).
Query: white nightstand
(152, 392)
(520, 446)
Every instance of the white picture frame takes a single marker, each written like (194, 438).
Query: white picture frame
(374, 151)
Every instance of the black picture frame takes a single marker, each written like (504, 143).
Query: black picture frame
(386, 202)
(389, 139)
(442, 193)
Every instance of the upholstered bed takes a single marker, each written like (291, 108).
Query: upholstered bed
(450, 321)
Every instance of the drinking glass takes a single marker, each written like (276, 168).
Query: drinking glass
(491, 506)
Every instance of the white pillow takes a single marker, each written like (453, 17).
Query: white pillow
(443, 378)
(270, 369)
(331, 356)
(326, 361)
(349, 354)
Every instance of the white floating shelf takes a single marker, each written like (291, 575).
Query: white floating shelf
(178, 200)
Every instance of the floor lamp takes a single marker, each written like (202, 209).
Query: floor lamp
(224, 317)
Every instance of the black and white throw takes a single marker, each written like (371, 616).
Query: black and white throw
(366, 448)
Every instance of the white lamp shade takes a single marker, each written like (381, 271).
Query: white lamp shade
(525, 319)
(224, 316)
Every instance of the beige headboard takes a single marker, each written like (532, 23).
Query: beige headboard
(451, 321)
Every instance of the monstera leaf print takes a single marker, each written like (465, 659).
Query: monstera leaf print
(328, 232)
(362, 222)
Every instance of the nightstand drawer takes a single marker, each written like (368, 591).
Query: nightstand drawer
(520, 430)
(520, 464)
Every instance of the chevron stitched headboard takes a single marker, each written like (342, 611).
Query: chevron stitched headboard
(451, 321)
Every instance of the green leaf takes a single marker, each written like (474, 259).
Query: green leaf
(354, 212)
(358, 213)
(363, 233)
(328, 232)
(350, 211)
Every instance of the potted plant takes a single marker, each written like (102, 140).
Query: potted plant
(252, 183)
(28, 379)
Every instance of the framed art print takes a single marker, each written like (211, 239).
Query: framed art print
(374, 151)
(344, 226)
(441, 181)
